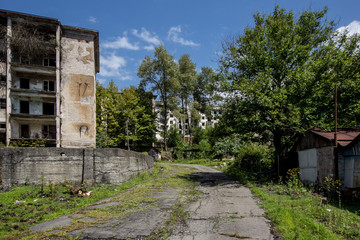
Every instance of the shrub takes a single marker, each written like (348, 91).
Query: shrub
(251, 159)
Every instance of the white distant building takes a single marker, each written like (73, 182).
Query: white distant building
(173, 121)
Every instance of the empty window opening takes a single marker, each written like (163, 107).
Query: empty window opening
(49, 62)
(49, 131)
(2, 81)
(24, 60)
(3, 103)
(24, 107)
(203, 124)
(25, 131)
(49, 86)
(48, 109)
(24, 83)
(2, 125)
(171, 122)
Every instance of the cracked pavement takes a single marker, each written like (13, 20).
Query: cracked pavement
(223, 209)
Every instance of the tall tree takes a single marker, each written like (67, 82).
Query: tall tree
(268, 71)
(123, 117)
(161, 74)
(138, 120)
(187, 80)
(204, 92)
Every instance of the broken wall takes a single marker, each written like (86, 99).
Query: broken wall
(77, 165)
(78, 123)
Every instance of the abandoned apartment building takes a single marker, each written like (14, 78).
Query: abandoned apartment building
(47, 81)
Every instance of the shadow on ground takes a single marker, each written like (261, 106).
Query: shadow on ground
(211, 179)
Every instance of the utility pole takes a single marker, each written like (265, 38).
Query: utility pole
(336, 160)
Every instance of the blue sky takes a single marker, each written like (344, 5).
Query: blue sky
(129, 29)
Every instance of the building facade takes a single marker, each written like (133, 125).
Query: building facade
(47, 81)
(183, 126)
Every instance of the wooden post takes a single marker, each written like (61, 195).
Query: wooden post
(336, 160)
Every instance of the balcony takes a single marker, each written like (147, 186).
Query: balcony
(32, 92)
(27, 68)
(31, 117)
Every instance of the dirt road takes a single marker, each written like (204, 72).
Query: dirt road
(203, 204)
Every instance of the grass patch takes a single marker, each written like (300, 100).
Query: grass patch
(205, 162)
(303, 217)
(25, 206)
(134, 196)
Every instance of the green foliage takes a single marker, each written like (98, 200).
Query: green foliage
(251, 159)
(161, 73)
(174, 137)
(228, 146)
(28, 143)
(124, 116)
(24, 206)
(332, 189)
(304, 217)
(294, 186)
(280, 77)
(204, 93)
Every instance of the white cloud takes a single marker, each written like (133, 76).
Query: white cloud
(147, 36)
(121, 42)
(92, 19)
(149, 47)
(113, 66)
(174, 35)
(352, 28)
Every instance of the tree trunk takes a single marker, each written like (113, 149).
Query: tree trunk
(165, 126)
(278, 150)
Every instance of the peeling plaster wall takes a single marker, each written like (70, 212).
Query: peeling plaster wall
(78, 123)
(34, 126)
(35, 105)
(2, 115)
(36, 81)
(2, 92)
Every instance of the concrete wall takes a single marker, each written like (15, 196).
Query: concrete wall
(78, 123)
(77, 165)
(326, 164)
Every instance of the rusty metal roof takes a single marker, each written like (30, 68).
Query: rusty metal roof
(345, 137)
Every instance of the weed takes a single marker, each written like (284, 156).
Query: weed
(332, 189)
(303, 218)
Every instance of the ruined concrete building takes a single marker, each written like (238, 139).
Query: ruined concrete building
(47, 81)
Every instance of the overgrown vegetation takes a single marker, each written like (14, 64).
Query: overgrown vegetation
(32, 41)
(25, 206)
(28, 143)
(124, 118)
(299, 213)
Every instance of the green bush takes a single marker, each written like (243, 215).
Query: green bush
(251, 159)
(28, 143)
